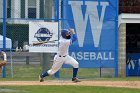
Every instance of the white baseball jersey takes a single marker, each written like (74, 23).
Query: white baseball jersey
(64, 46)
(63, 56)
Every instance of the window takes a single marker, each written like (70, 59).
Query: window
(8, 8)
(42, 8)
(31, 8)
(22, 8)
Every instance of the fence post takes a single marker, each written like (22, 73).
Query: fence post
(46, 61)
(4, 35)
(27, 60)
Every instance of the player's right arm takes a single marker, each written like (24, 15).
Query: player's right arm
(4, 56)
(74, 36)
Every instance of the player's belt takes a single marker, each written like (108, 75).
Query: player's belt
(62, 56)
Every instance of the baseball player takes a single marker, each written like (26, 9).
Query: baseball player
(3, 63)
(62, 56)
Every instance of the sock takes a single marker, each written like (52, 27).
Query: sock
(75, 70)
(45, 74)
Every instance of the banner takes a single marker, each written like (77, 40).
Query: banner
(96, 26)
(133, 64)
(43, 37)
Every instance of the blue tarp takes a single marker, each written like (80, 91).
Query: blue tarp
(8, 42)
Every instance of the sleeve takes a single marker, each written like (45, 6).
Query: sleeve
(5, 56)
(73, 38)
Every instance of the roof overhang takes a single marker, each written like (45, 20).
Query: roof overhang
(128, 18)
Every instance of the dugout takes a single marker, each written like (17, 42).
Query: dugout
(129, 45)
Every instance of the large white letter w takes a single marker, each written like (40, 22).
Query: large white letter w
(95, 21)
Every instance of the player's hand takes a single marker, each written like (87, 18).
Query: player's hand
(4, 61)
(72, 31)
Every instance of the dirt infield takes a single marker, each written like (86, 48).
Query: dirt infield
(126, 84)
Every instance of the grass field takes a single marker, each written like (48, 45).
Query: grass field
(65, 89)
(30, 73)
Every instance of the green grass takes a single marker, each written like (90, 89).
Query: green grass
(69, 89)
(83, 73)
(24, 73)
(31, 72)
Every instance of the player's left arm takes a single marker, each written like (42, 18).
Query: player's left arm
(4, 57)
(4, 62)
(74, 36)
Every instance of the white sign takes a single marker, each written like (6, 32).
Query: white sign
(43, 37)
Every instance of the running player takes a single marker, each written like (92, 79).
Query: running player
(62, 56)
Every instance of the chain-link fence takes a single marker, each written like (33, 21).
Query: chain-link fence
(20, 62)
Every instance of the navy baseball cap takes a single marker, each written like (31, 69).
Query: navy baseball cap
(64, 32)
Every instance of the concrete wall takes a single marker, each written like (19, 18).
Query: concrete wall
(122, 50)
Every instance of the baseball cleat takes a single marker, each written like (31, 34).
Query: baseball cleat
(75, 79)
(41, 79)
